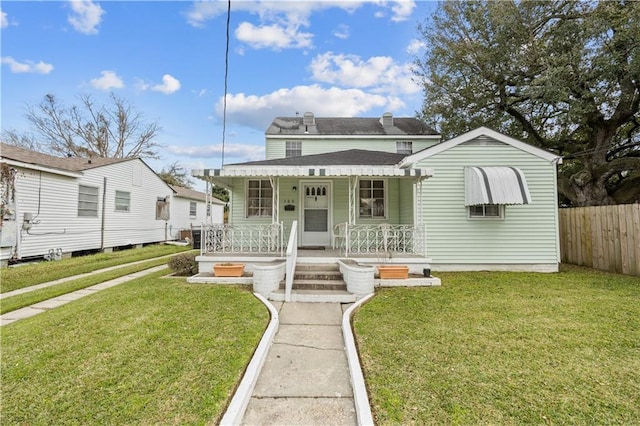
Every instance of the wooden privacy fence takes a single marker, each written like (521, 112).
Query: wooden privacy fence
(604, 237)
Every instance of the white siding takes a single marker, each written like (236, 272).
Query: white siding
(275, 148)
(53, 201)
(182, 220)
(528, 233)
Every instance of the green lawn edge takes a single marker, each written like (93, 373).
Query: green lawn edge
(13, 278)
(18, 301)
(154, 350)
(504, 348)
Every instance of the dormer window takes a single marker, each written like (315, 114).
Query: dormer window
(404, 147)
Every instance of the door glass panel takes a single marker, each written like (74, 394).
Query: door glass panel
(315, 220)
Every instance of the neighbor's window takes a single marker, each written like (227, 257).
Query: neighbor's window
(293, 149)
(404, 147)
(193, 209)
(123, 201)
(372, 198)
(486, 211)
(259, 198)
(88, 201)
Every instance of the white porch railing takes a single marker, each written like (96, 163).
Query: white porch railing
(258, 239)
(292, 257)
(385, 239)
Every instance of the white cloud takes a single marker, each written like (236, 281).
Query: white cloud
(379, 73)
(86, 16)
(402, 9)
(231, 150)
(280, 22)
(169, 85)
(342, 32)
(27, 66)
(108, 80)
(4, 19)
(273, 36)
(258, 111)
(415, 46)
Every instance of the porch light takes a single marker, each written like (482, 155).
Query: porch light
(294, 188)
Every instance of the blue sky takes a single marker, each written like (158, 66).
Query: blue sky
(166, 59)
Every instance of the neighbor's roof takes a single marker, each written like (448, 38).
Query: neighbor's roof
(71, 164)
(351, 126)
(351, 157)
(183, 192)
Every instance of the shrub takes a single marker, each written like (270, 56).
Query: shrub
(184, 265)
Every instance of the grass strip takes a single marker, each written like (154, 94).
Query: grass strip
(505, 348)
(12, 303)
(27, 275)
(150, 351)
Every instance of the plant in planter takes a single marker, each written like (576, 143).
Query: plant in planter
(392, 271)
(228, 269)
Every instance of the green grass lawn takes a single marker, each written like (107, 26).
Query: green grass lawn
(27, 275)
(505, 348)
(151, 351)
(8, 304)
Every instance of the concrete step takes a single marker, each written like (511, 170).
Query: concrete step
(315, 296)
(316, 285)
(317, 275)
(317, 267)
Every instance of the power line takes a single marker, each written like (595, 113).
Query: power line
(226, 77)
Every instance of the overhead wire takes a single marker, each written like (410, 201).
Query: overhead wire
(226, 77)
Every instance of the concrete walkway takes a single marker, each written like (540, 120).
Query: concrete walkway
(305, 378)
(44, 306)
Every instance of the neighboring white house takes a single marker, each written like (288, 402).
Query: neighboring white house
(480, 201)
(190, 209)
(54, 205)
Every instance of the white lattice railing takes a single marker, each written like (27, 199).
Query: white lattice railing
(385, 239)
(224, 238)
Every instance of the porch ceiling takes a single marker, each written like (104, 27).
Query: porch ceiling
(225, 176)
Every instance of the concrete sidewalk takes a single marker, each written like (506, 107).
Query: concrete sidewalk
(305, 379)
(44, 306)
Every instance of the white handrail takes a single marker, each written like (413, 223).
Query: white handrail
(292, 256)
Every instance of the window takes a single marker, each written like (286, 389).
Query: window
(88, 201)
(404, 147)
(486, 211)
(123, 201)
(372, 195)
(193, 209)
(259, 198)
(293, 149)
(162, 208)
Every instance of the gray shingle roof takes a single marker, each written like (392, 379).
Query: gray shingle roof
(72, 164)
(351, 157)
(184, 192)
(363, 126)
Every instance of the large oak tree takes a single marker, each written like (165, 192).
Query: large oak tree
(561, 75)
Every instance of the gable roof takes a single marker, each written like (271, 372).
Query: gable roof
(70, 164)
(351, 157)
(348, 126)
(473, 134)
(184, 192)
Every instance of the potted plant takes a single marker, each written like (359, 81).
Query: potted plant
(228, 269)
(392, 271)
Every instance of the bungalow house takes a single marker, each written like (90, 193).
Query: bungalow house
(388, 190)
(55, 206)
(190, 208)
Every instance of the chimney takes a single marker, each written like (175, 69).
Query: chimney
(308, 119)
(387, 119)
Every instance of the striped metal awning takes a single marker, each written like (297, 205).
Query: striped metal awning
(495, 185)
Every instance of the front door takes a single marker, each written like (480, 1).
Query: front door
(316, 230)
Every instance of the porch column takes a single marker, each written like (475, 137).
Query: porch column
(275, 198)
(353, 198)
